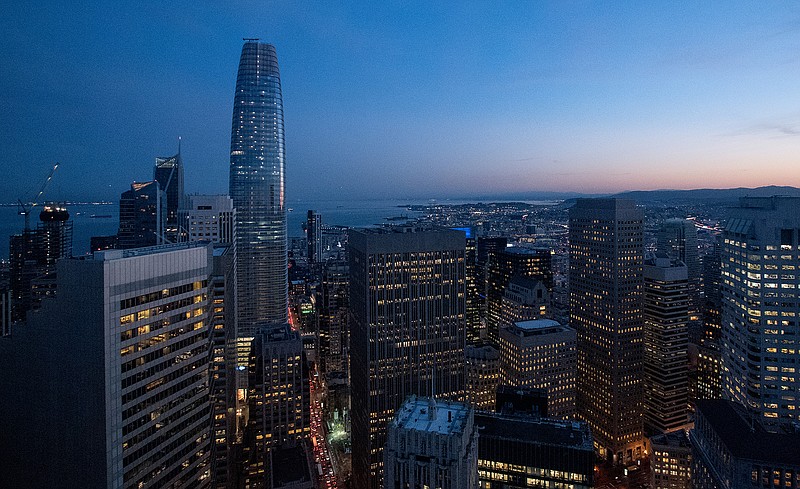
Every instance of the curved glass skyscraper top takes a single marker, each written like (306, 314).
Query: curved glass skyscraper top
(257, 189)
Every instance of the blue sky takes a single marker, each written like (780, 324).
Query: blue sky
(407, 100)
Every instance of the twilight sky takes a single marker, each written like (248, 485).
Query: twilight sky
(407, 99)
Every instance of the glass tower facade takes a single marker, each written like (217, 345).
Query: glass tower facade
(257, 188)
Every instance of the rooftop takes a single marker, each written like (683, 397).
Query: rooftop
(537, 327)
(446, 417)
(529, 429)
(748, 440)
(148, 250)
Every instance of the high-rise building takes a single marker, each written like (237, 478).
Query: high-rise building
(677, 238)
(431, 443)
(257, 187)
(314, 236)
(142, 215)
(473, 299)
(208, 218)
(606, 254)
(732, 450)
(168, 172)
(526, 451)
(524, 299)
(222, 387)
(761, 308)
(279, 400)
(333, 315)
(34, 254)
(709, 358)
(666, 383)
(485, 247)
(407, 326)
(505, 264)
(482, 376)
(122, 399)
(541, 354)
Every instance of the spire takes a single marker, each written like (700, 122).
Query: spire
(432, 398)
(179, 146)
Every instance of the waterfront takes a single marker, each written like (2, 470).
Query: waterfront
(353, 213)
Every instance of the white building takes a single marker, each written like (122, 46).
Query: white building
(108, 382)
(431, 444)
(760, 339)
(208, 218)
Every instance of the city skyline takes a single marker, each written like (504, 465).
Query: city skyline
(417, 101)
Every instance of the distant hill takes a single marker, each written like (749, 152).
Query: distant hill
(708, 194)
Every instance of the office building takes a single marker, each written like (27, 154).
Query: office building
(709, 357)
(257, 187)
(732, 450)
(431, 443)
(314, 237)
(677, 238)
(485, 247)
(541, 354)
(333, 316)
(525, 451)
(122, 399)
(280, 401)
(670, 461)
(605, 278)
(208, 218)
(482, 376)
(503, 265)
(407, 330)
(666, 312)
(524, 299)
(168, 172)
(473, 299)
(142, 215)
(222, 386)
(760, 308)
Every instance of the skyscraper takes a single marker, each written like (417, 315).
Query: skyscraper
(677, 238)
(760, 308)
(666, 383)
(257, 189)
(407, 304)
(168, 172)
(142, 215)
(279, 403)
(541, 354)
(605, 277)
(120, 397)
(314, 236)
(505, 264)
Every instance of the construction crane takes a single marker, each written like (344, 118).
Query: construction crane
(26, 209)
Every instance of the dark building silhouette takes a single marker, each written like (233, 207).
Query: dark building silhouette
(732, 450)
(505, 264)
(142, 215)
(168, 172)
(279, 400)
(314, 236)
(33, 257)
